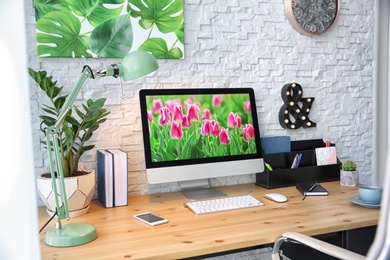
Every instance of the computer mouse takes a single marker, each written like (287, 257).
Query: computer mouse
(275, 197)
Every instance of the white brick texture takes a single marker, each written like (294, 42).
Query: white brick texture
(239, 44)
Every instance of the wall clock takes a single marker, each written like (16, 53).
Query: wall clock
(312, 17)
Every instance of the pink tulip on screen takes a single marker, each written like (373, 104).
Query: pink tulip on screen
(176, 130)
(214, 128)
(239, 123)
(177, 113)
(248, 132)
(172, 103)
(157, 105)
(164, 116)
(224, 136)
(187, 104)
(217, 101)
(186, 122)
(206, 114)
(205, 128)
(150, 116)
(193, 113)
(234, 120)
(247, 107)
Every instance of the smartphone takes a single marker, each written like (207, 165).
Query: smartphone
(150, 219)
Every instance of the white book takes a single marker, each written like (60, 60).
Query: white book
(120, 176)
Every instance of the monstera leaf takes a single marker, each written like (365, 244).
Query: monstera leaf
(60, 36)
(158, 48)
(95, 10)
(166, 14)
(113, 38)
(180, 33)
(95, 28)
(43, 7)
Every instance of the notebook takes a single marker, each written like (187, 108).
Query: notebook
(317, 190)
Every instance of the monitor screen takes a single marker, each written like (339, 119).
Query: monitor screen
(192, 134)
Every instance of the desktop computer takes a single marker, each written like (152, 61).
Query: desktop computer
(192, 135)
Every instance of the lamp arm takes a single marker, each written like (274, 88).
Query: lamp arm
(112, 70)
(53, 147)
(52, 142)
(86, 73)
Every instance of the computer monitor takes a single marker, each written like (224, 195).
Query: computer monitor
(193, 135)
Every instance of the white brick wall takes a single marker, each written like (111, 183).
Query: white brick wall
(240, 44)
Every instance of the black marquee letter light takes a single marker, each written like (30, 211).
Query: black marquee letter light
(291, 115)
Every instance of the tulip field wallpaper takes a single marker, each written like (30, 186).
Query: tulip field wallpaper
(109, 28)
(200, 126)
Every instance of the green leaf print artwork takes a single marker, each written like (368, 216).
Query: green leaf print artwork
(109, 28)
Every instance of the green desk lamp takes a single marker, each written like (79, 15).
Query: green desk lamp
(134, 65)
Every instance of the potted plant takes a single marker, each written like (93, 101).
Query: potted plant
(75, 132)
(349, 176)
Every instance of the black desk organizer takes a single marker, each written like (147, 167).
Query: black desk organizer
(282, 174)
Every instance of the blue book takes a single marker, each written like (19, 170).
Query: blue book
(105, 176)
(276, 144)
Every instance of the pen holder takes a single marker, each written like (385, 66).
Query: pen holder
(282, 175)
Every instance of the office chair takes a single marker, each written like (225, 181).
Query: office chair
(380, 248)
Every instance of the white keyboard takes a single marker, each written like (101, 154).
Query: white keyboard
(223, 204)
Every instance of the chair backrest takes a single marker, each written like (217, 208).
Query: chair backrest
(380, 248)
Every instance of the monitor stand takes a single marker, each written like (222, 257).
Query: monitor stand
(199, 189)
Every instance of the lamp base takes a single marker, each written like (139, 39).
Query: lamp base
(73, 234)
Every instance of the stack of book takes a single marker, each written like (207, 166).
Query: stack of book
(112, 177)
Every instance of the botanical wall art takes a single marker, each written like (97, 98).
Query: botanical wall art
(109, 28)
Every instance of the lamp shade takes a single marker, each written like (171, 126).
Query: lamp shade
(137, 64)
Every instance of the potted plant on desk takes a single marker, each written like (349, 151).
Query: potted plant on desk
(75, 133)
(349, 176)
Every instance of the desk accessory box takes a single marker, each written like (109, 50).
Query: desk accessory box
(283, 175)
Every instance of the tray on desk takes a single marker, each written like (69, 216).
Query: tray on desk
(282, 175)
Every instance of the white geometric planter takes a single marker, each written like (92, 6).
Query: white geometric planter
(349, 178)
(79, 191)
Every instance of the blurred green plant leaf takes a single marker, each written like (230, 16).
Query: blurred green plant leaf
(167, 15)
(180, 33)
(159, 49)
(113, 38)
(96, 11)
(43, 7)
(60, 36)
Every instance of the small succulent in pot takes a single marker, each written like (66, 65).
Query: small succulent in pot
(349, 165)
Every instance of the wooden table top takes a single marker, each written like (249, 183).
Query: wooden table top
(187, 235)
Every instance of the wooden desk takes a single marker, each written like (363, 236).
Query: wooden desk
(187, 235)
